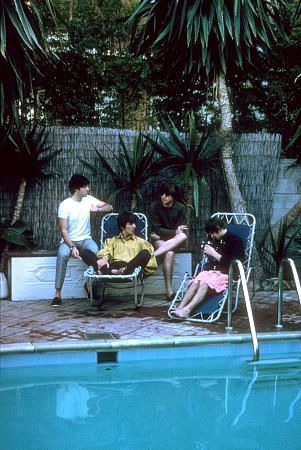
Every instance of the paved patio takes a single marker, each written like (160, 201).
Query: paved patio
(35, 321)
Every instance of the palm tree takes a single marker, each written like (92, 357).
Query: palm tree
(191, 155)
(131, 170)
(24, 160)
(208, 38)
(22, 45)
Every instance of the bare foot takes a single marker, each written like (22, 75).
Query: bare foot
(181, 313)
(118, 271)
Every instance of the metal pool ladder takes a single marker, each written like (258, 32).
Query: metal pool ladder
(248, 305)
(292, 265)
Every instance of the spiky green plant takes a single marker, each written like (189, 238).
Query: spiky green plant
(21, 45)
(192, 155)
(133, 167)
(24, 159)
(211, 39)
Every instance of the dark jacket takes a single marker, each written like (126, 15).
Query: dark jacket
(165, 221)
(230, 247)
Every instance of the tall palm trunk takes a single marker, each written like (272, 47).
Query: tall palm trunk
(292, 214)
(19, 202)
(238, 205)
(190, 214)
(237, 202)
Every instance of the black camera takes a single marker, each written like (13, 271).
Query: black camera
(203, 243)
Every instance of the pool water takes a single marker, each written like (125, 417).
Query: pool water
(185, 404)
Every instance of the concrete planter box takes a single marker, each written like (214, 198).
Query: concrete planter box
(31, 276)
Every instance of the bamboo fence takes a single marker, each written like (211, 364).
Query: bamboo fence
(256, 158)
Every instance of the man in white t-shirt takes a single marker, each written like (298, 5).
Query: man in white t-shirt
(75, 227)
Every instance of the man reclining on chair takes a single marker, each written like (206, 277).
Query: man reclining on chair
(214, 279)
(123, 253)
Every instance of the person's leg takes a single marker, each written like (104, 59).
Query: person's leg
(189, 294)
(165, 249)
(89, 257)
(62, 259)
(162, 247)
(167, 267)
(87, 244)
(141, 259)
(198, 297)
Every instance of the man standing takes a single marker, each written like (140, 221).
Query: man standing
(74, 222)
(121, 254)
(167, 219)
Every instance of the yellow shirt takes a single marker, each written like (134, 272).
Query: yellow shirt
(118, 248)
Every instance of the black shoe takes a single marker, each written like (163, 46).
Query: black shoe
(57, 301)
(171, 297)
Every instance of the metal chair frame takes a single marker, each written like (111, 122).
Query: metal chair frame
(211, 308)
(109, 228)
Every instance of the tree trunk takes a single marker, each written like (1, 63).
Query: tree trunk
(190, 215)
(291, 215)
(237, 202)
(19, 202)
(238, 205)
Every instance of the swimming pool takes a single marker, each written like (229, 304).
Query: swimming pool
(112, 396)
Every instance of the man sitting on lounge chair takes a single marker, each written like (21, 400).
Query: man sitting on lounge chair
(121, 254)
(226, 247)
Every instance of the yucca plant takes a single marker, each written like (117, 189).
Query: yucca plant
(21, 45)
(133, 167)
(191, 155)
(24, 159)
(209, 39)
(287, 238)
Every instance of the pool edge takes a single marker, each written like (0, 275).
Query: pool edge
(114, 344)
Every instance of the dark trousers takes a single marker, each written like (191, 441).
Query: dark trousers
(141, 259)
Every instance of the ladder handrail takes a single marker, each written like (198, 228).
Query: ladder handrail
(247, 301)
(292, 265)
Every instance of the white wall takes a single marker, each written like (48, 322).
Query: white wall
(287, 190)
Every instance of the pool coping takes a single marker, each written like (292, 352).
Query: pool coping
(125, 344)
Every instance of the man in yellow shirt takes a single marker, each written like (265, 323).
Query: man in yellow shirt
(121, 254)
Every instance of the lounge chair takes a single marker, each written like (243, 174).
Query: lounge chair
(243, 225)
(109, 228)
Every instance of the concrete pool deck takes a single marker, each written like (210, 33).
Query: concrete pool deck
(77, 320)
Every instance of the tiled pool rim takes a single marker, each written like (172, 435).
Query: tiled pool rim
(45, 353)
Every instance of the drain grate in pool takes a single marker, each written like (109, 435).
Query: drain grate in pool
(94, 336)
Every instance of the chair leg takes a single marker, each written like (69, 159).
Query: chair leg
(103, 287)
(91, 290)
(139, 303)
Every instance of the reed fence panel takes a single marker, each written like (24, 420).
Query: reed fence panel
(256, 158)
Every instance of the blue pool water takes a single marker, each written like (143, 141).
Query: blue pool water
(215, 403)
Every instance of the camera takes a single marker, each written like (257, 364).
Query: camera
(203, 243)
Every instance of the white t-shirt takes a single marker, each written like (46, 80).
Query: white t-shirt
(78, 216)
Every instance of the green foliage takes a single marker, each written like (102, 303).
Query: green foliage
(131, 170)
(192, 155)
(287, 239)
(97, 78)
(25, 155)
(21, 46)
(204, 36)
(16, 236)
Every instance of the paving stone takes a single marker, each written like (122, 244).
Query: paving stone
(36, 321)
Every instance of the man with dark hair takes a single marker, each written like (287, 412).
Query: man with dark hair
(121, 254)
(74, 222)
(214, 278)
(167, 220)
